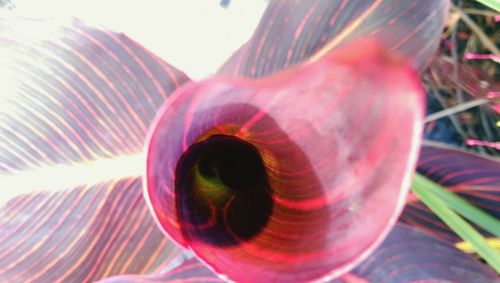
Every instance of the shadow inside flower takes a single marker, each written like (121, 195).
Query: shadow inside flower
(227, 187)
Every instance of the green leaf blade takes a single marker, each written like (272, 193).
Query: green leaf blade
(458, 225)
(461, 206)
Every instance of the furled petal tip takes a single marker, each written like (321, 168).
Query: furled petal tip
(295, 177)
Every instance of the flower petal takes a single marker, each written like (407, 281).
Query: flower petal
(81, 235)
(74, 93)
(407, 255)
(291, 32)
(466, 168)
(475, 178)
(338, 139)
(75, 107)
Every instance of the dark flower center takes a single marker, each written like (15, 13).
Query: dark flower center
(236, 163)
(224, 195)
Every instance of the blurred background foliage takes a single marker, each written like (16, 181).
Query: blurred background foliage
(463, 81)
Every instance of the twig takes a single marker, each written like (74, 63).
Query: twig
(454, 56)
(485, 125)
(453, 118)
(456, 109)
(488, 44)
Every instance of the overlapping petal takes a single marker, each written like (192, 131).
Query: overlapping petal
(291, 32)
(75, 107)
(406, 255)
(81, 235)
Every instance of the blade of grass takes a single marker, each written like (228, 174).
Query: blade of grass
(461, 206)
(455, 109)
(493, 4)
(459, 226)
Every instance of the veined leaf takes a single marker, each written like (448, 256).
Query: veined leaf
(84, 96)
(466, 168)
(74, 93)
(75, 106)
(81, 235)
(461, 206)
(459, 226)
(474, 178)
(291, 32)
(192, 271)
(406, 255)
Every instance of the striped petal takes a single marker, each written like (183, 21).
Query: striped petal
(75, 94)
(75, 107)
(81, 235)
(322, 155)
(475, 178)
(291, 32)
(407, 255)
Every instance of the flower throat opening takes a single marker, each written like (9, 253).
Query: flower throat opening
(223, 192)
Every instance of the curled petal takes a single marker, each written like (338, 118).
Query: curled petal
(294, 177)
